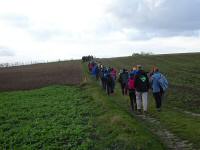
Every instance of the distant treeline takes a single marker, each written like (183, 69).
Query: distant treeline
(87, 58)
(142, 54)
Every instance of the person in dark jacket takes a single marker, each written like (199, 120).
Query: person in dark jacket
(141, 87)
(103, 77)
(109, 83)
(123, 79)
(97, 71)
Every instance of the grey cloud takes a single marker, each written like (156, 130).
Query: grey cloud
(158, 17)
(4, 51)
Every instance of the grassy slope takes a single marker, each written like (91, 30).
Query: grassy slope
(183, 74)
(62, 117)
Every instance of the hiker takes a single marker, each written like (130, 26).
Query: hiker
(142, 87)
(123, 79)
(114, 73)
(90, 66)
(157, 88)
(95, 71)
(101, 75)
(131, 89)
(104, 78)
(133, 71)
(109, 83)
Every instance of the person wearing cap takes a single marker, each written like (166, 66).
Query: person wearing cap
(142, 88)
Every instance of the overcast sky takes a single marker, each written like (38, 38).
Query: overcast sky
(33, 30)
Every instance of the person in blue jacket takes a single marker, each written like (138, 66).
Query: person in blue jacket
(157, 90)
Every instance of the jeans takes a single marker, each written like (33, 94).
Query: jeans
(124, 88)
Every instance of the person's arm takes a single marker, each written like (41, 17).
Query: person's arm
(148, 83)
(136, 81)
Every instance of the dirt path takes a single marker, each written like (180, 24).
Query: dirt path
(168, 138)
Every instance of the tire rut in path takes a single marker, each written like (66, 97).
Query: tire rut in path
(187, 112)
(169, 139)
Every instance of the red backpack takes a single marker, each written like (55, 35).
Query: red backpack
(131, 83)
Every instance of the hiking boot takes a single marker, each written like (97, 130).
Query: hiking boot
(139, 112)
(159, 109)
(145, 112)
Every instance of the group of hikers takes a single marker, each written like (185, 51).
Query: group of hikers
(136, 83)
(87, 58)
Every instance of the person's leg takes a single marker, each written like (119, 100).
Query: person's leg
(138, 100)
(159, 101)
(131, 94)
(157, 98)
(126, 88)
(122, 87)
(112, 86)
(155, 95)
(97, 76)
(145, 101)
(104, 83)
(134, 100)
(107, 89)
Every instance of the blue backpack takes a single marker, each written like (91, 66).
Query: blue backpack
(163, 82)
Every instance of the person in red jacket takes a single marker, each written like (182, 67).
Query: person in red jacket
(131, 89)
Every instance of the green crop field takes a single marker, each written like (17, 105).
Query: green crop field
(84, 117)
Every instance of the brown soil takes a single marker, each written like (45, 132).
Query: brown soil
(40, 75)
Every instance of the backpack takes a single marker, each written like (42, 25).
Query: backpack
(131, 83)
(163, 83)
(124, 77)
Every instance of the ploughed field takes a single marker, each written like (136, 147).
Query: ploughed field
(40, 75)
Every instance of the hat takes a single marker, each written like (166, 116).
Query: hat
(139, 67)
(134, 68)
